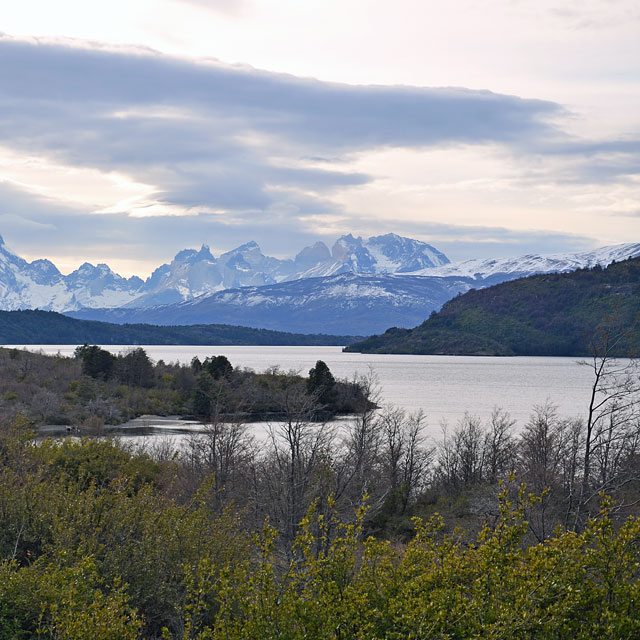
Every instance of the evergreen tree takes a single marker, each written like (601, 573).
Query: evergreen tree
(322, 383)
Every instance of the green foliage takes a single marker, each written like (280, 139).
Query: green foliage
(45, 601)
(135, 368)
(93, 546)
(96, 388)
(340, 586)
(95, 463)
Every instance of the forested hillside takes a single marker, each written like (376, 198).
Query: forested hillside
(563, 314)
(48, 327)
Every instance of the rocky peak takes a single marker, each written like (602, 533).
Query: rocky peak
(311, 256)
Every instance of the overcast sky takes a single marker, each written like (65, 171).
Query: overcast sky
(131, 129)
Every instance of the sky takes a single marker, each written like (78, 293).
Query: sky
(132, 129)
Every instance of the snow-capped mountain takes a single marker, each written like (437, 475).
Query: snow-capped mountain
(190, 274)
(389, 253)
(193, 273)
(346, 303)
(359, 286)
(510, 268)
(39, 285)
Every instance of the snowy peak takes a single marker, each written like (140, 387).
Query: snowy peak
(250, 250)
(345, 246)
(44, 272)
(249, 256)
(396, 254)
(87, 273)
(353, 253)
(384, 254)
(39, 285)
(534, 263)
(252, 245)
(192, 274)
(191, 256)
(195, 273)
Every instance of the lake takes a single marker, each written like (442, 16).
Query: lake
(444, 387)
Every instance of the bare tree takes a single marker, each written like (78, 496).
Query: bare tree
(295, 467)
(357, 470)
(540, 462)
(416, 458)
(613, 417)
(499, 446)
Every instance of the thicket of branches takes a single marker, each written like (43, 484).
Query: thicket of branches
(98, 542)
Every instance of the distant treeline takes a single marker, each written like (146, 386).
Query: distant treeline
(562, 314)
(48, 327)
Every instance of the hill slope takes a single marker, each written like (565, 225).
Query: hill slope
(547, 315)
(48, 327)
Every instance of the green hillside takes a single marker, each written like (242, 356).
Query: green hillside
(561, 314)
(47, 327)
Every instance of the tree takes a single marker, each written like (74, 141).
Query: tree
(358, 471)
(322, 383)
(499, 446)
(218, 367)
(135, 368)
(96, 362)
(461, 454)
(613, 417)
(295, 468)
(540, 460)
(403, 456)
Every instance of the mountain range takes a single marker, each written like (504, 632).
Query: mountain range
(358, 287)
(192, 273)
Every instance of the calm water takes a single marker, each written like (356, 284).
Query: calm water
(444, 387)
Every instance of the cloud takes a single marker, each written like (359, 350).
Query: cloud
(14, 221)
(235, 153)
(213, 135)
(69, 236)
(230, 7)
(138, 245)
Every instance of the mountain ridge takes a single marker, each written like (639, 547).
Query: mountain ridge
(345, 303)
(534, 263)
